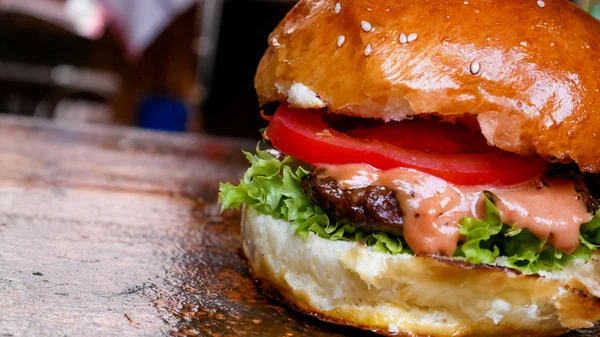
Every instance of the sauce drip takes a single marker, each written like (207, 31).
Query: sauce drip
(432, 206)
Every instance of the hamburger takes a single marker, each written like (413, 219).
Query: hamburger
(430, 167)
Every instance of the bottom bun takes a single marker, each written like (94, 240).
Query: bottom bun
(349, 283)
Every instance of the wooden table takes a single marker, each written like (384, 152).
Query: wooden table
(116, 232)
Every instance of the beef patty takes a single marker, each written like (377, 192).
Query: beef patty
(372, 208)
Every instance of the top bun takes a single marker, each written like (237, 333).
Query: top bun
(529, 70)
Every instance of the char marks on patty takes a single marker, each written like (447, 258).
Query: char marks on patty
(372, 208)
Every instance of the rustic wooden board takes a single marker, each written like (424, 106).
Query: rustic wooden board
(116, 232)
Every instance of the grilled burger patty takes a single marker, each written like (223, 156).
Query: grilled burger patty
(372, 208)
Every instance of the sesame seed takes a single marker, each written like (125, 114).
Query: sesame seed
(475, 68)
(541, 3)
(366, 26)
(393, 328)
(403, 38)
(338, 8)
(524, 43)
(466, 2)
(340, 40)
(369, 9)
(368, 50)
(412, 37)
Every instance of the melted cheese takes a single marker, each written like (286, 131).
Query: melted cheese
(432, 206)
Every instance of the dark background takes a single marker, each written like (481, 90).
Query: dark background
(232, 108)
(219, 95)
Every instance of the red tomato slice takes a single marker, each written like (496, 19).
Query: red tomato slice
(428, 136)
(303, 134)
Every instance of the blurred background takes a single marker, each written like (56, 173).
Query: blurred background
(173, 65)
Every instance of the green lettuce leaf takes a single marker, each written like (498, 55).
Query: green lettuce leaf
(492, 242)
(480, 246)
(274, 187)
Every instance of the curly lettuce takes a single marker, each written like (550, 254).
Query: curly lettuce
(273, 187)
(490, 241)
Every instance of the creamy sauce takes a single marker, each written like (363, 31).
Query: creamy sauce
(432, 206)
(552, 211)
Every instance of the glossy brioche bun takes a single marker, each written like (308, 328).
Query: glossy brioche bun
(350, 284)
(529, 71)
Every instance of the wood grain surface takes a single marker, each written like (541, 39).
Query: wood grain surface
(116, 232)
